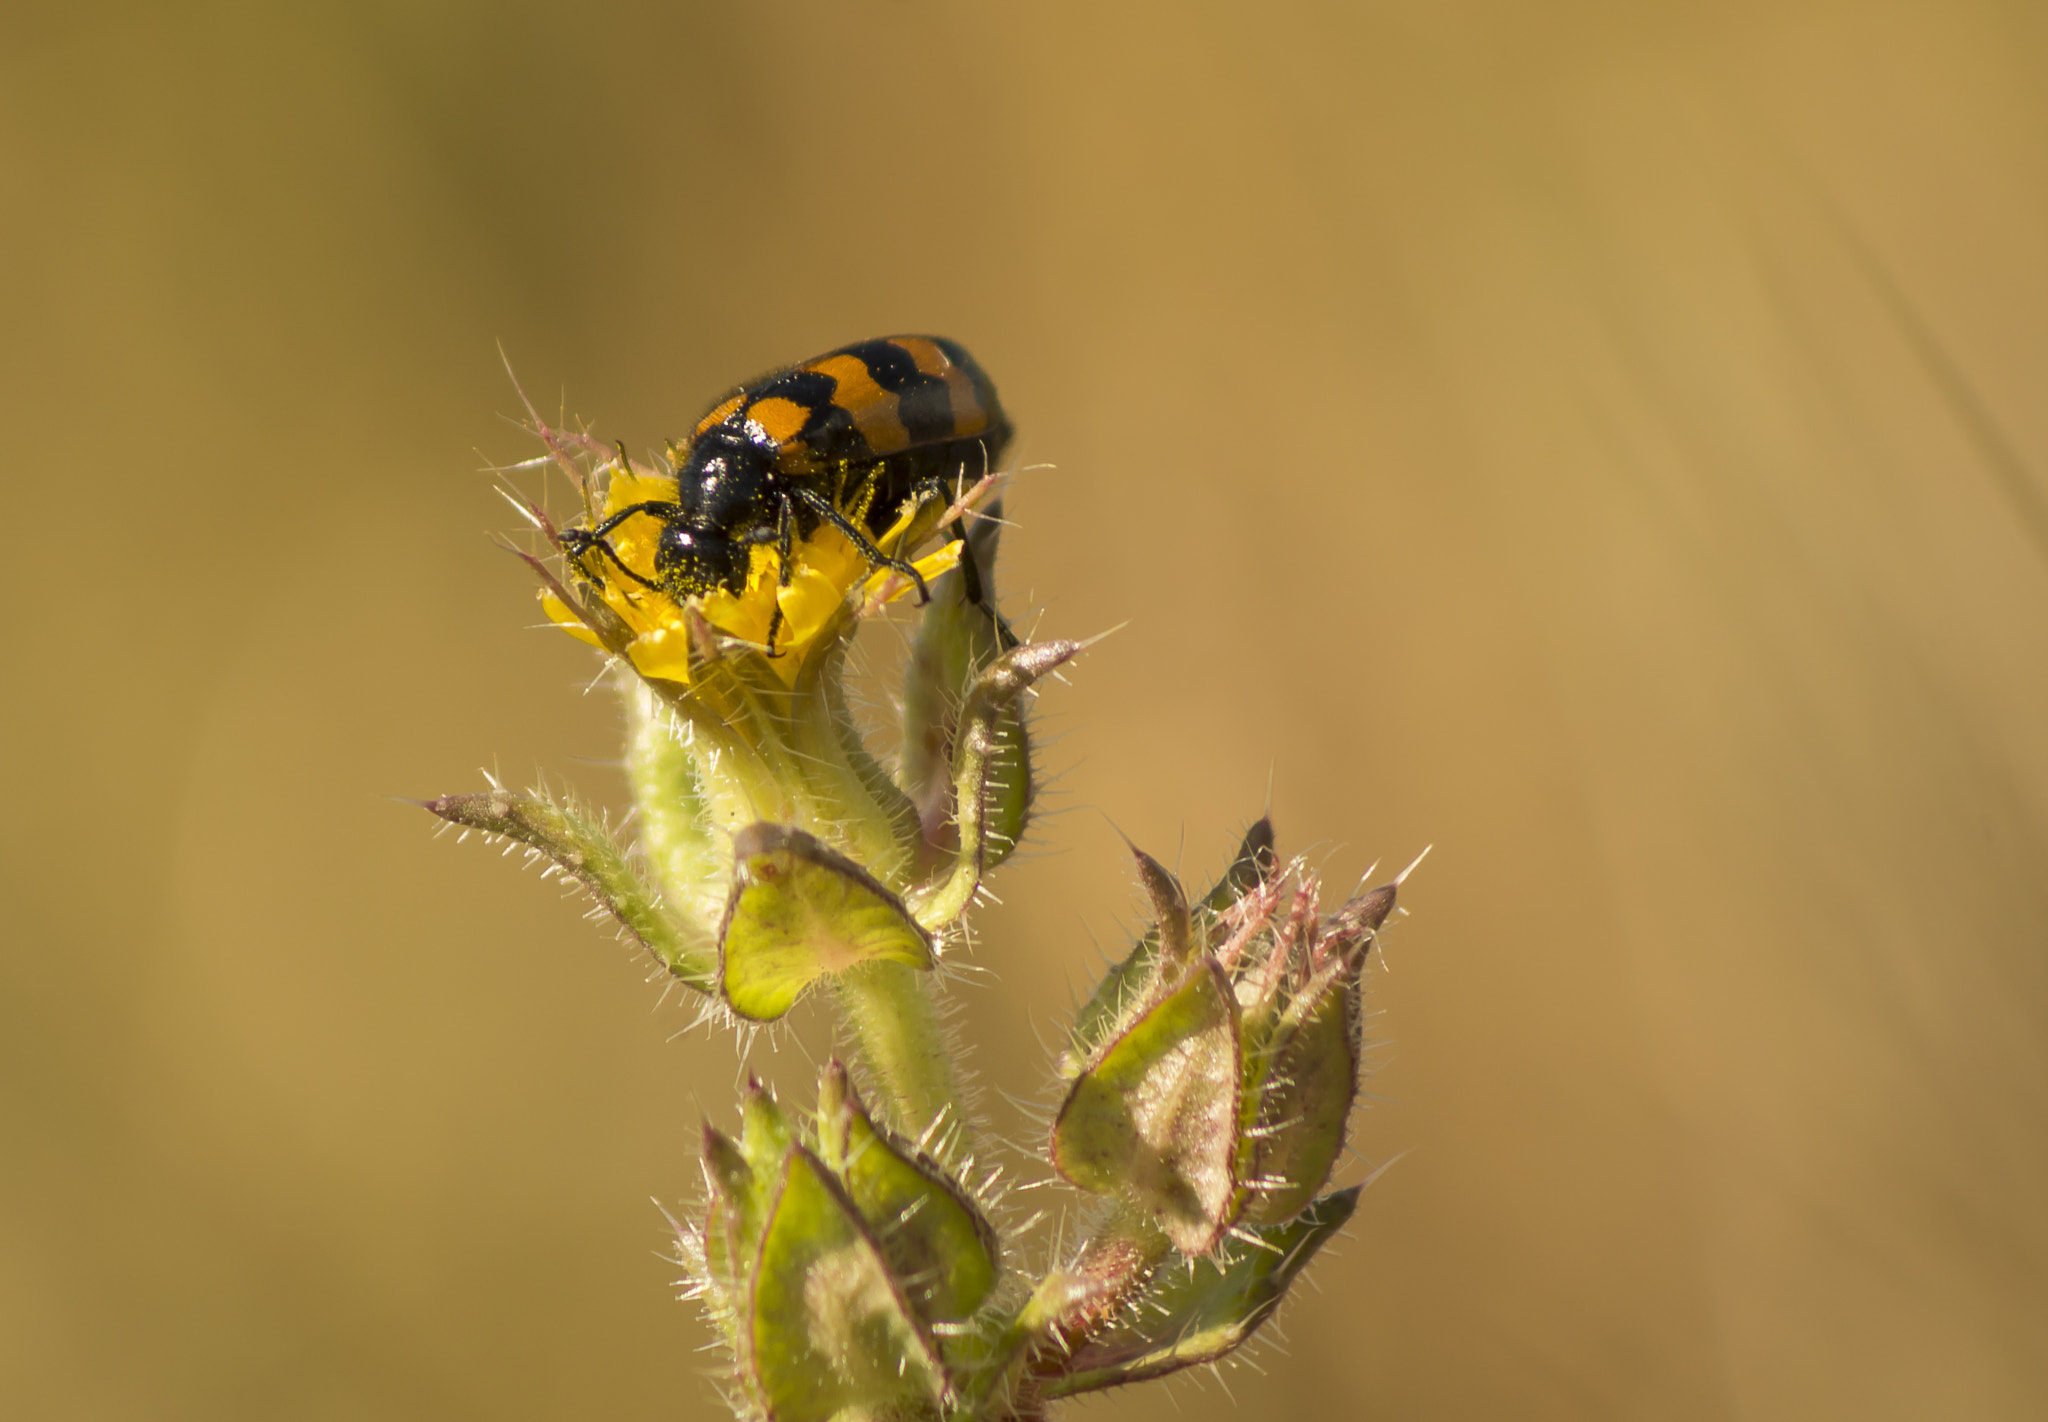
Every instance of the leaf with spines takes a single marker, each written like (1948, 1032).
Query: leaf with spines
(828, 1332)
(1252, 862)
(1304, 1077)
(941, 1249)
(579, 848)
(1303, 1102)
(799, 910)
(688, 855)
(979, 763)
(1171, 921)
(1155, 1116)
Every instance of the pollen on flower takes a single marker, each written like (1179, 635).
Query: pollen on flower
(827, 568)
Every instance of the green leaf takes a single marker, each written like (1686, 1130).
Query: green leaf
(828, 1332)
(742, 1177)
(1310, 1080)
(942, 1251)
(800, 909)
(1197, 1315)
(1155, 1117)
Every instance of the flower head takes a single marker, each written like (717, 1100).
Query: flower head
(825, 571)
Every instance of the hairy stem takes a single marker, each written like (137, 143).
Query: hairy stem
(897, 1037)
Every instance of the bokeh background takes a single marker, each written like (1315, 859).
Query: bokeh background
(1606, 442)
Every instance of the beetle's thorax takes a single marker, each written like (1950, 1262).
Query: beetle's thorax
(722, 478)
(721, 485)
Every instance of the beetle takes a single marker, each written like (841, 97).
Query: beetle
(846, 438)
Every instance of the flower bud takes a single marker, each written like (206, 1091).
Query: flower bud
(1215, 1069)
(830, 1260)
(960, 633)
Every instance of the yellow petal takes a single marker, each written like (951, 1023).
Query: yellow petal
(663, 653)
(559, 612)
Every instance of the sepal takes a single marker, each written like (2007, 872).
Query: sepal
(937, 1242)
(1155, 1116)
(799, 909)
(828, 1330)
(1130, 984)
(959, 634)
(1199, 1313)
(1302, 993)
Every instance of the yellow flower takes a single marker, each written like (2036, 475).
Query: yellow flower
(827, 568)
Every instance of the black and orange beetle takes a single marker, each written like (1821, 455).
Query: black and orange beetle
(845, 439)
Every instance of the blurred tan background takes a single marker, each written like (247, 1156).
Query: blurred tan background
(1606, 442)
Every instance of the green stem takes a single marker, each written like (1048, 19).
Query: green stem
(694, 867)
(899, 1040)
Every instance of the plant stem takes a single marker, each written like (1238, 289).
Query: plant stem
(897, 1035)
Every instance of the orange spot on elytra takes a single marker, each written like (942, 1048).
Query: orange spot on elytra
(874, 409)
(783, 420)
(717, 416)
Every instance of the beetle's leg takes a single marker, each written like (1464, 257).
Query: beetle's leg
(785, 543)
(785, 574)
(659, 508)
(578, 541)
(858, 537)
(970, 573)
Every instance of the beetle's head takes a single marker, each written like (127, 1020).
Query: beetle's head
(690, 560)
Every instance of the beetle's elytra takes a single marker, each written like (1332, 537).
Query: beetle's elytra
(847, 438)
